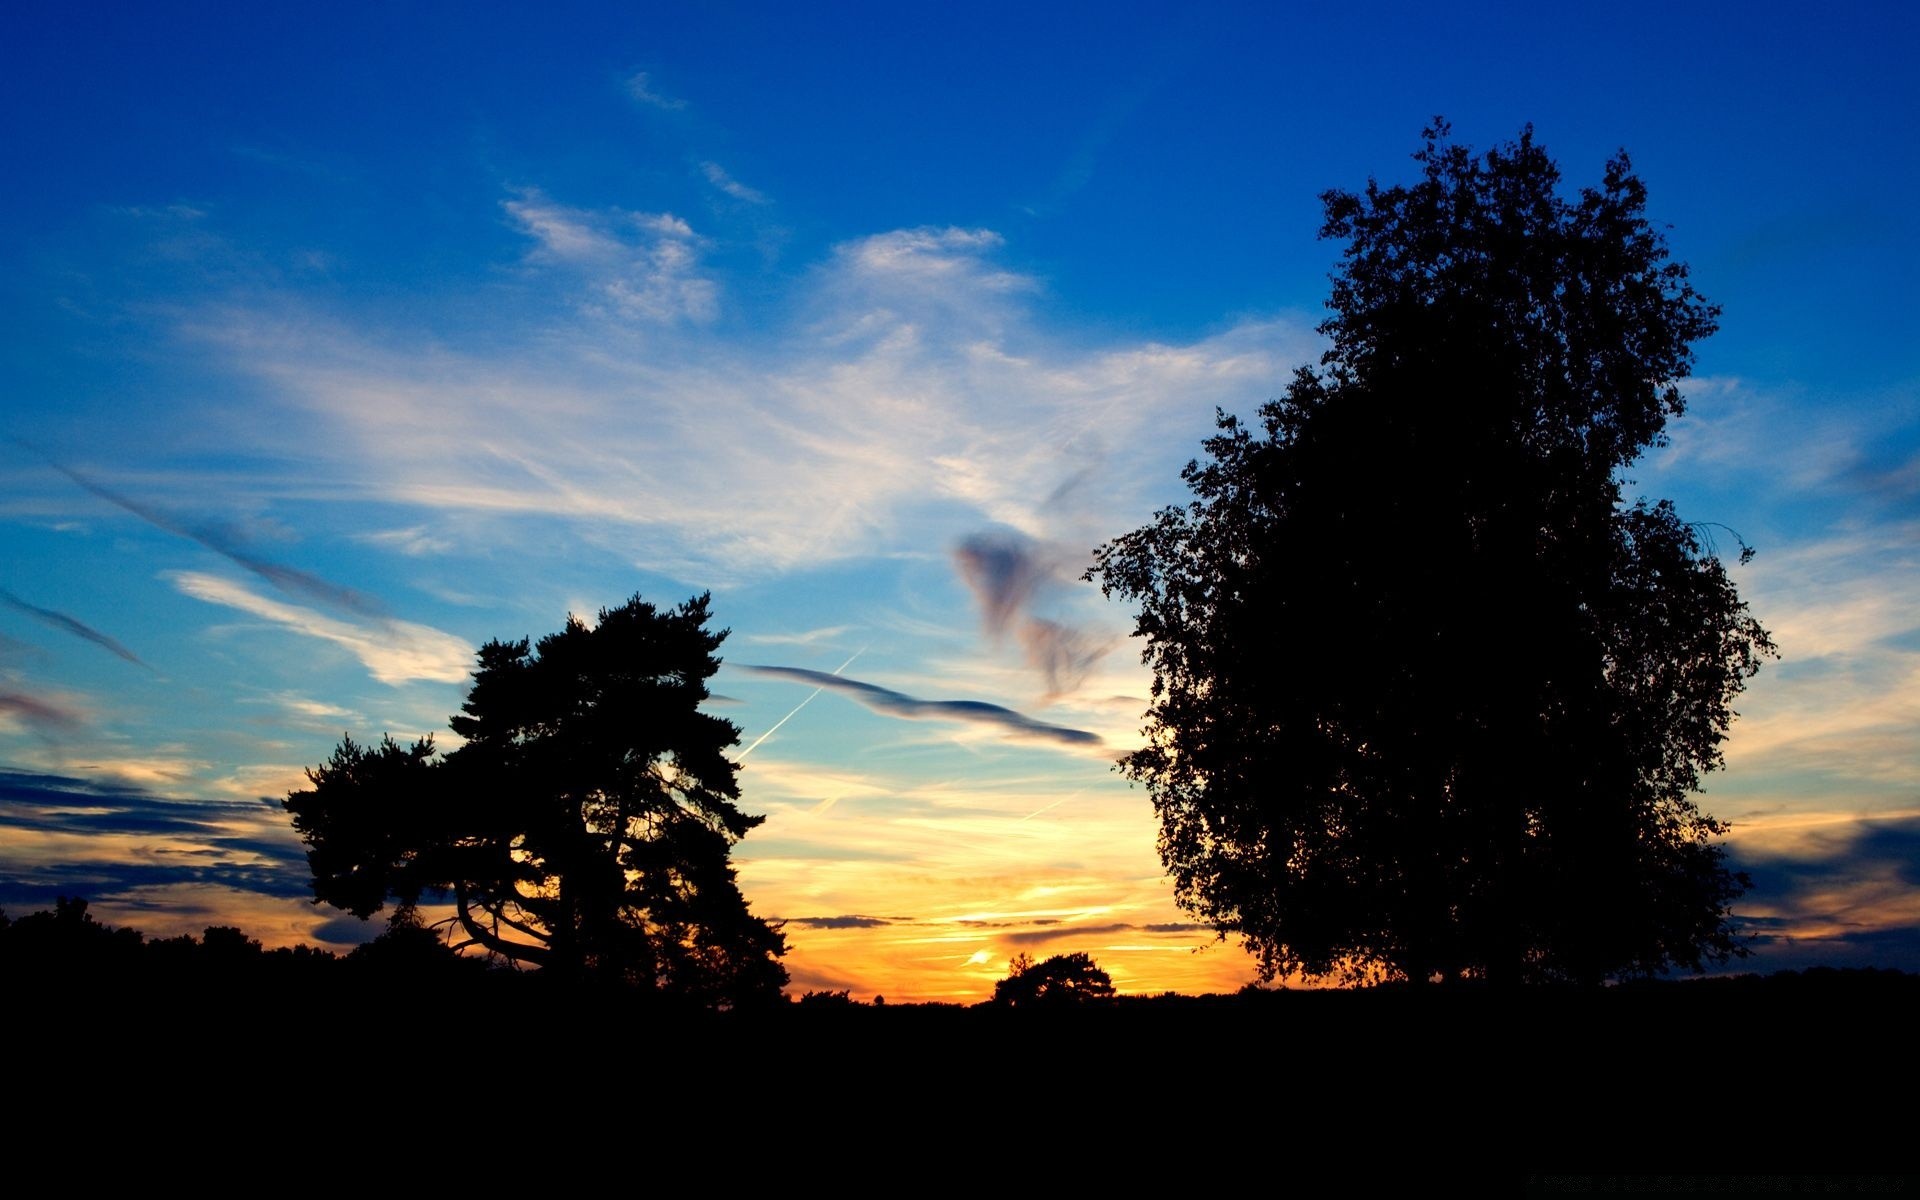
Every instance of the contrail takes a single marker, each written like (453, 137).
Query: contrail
(1049, 808)
(796, 708)
(288, 579)
(60, 620)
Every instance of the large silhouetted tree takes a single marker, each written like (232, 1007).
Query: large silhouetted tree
(584, 826)
(1431, 698)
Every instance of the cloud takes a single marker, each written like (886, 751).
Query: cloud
(1004, 573)
(1842, 892)
(1034, 937)
(898, 704)
(287, 579)
(636, 265)
(905, 395)
(718, 177)
(809, 637)
(642, 89)
(347, 931)
(1832, 511)
(563, 234)
(44, 716)
(413, 541)
(848, 922)
(1060, 652)
(1840, 852)
(146, 771)
(62, 621)
(1008, 572)
(930, 256)
(393, 651)
(135, 839)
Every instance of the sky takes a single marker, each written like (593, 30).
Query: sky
(343, 339)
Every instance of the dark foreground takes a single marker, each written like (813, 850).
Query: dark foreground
(1734, 1085)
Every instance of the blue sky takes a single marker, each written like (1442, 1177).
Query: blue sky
(341, 340)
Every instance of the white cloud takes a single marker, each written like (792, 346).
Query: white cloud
(1845, 697)
(641, 88)
(718, 177)
(925, 255)
(563, 233)
(154, 771)
(1823, 491)
(412, 541)
(663, 224)
(888, 416)
(393, 652)
(829, 634)
(1791, 444)
(633, 265)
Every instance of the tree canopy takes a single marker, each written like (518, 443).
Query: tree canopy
(585, 824)
(1431, 697)
(1061, 981)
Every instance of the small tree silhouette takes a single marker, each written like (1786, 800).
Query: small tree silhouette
(1064, 979)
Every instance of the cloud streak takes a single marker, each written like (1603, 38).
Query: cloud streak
(287, 579)
(899, 704)
(1841, 892)
(65, 623)
(641, 88)
(637, 265)
(140, 839)
(1008, 573)
(718, 177)
(846, 922)
(43, 715)
(393, 652)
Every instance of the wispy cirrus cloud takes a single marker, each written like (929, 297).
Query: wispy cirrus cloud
(637, 266)
(718, 177)
(72, 625)
(930, 256)
(642, 88)
(1834, 513)
(393, 652)
(827, 634)
(905, 399)
(899, 704)
(413, 541)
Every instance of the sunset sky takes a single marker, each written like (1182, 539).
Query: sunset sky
(341, 339)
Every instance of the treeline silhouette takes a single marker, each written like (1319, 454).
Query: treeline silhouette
(1655, 1076)
(65, 953)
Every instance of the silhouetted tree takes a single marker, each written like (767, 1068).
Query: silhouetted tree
(66, 939)
(584, 826)
(1430, 698)
(1064, 979)
(410, 949)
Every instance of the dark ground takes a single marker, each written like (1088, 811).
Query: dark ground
(1665, 1086)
